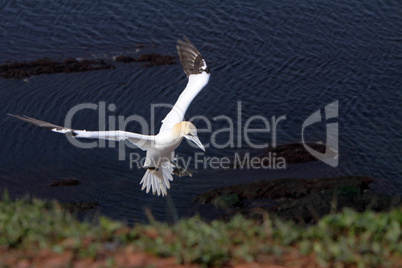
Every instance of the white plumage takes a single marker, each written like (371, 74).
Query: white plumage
(160, 148)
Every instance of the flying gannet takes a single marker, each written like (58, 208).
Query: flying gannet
(159, 148)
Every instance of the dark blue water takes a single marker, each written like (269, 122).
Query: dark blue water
(278, 58)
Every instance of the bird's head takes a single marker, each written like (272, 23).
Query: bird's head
(189, 131)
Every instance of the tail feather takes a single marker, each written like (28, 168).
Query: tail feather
(158, 179)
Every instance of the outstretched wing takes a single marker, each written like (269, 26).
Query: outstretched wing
(198, 74)
(141, 141)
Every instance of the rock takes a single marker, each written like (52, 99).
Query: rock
(48, 66)
(125, 59)
(226, 201)
(156, 59)
(312, 207)
(68, 182)
(295, 153)
(153, 59)
(80, 206)
(283, 188)
(299, 200)
(69, 65)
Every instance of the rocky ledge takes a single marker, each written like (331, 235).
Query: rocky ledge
(71, 65)
(303, 201)
(48, 66)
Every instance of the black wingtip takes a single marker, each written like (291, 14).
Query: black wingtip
(190, 58)
(37, 122)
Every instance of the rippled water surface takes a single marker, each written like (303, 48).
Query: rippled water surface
(277, 58)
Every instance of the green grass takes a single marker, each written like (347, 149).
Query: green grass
(345, 239)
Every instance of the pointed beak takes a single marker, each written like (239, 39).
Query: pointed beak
(197, 141)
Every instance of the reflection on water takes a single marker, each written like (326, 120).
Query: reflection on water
(279, 59)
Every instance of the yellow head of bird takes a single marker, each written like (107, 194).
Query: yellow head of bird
(189, 131)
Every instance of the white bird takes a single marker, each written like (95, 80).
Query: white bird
(160, 148)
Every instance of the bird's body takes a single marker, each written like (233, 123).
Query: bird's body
(160, 148)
